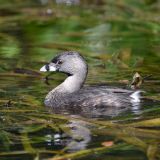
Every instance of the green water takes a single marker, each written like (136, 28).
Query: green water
(117, 38)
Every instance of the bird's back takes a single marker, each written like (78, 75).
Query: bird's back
(97, 96)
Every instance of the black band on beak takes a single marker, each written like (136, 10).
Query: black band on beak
(47, 67)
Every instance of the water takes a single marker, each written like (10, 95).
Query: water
(117, 39)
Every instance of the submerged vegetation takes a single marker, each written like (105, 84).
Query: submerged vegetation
(118, 39)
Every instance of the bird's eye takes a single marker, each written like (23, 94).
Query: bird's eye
(59, 62)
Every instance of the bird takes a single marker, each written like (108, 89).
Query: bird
(72, 93)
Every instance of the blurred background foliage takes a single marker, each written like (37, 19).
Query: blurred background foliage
(117, 38)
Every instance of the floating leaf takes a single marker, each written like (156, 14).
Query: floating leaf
(107, 143)
(137, 81)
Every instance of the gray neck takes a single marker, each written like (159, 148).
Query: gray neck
(70, 85)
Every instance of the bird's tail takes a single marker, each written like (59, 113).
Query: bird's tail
(136, 96)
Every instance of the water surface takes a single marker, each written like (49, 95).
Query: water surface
(117, 39)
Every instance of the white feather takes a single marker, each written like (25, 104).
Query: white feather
(136, 96)
(52, 68)
(43, 69)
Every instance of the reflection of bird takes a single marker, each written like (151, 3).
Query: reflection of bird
(71, 93)
(76, 139)
(81, 136)
(68, 2)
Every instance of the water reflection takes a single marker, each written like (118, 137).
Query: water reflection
(68, 2)
(80, 134)
(76, 139)
(29, 38)
(101, 112)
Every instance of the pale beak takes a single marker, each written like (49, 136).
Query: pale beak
(47, 67)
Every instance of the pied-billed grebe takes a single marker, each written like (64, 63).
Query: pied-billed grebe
(71, 92)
